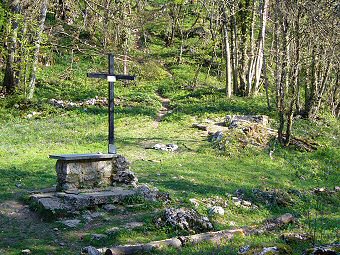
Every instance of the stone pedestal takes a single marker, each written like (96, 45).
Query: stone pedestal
(88, 171)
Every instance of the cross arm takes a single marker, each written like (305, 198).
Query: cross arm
(105, 75)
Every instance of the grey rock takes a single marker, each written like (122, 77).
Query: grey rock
(90, 250)
(70, 223)
(152, 193)
(200, 126)
(165, 147)
(110, 207)
(185, 219)
(216, 210)
(132, 225)
(112, 230)
(296, 237)
(98, 236)
(194, 202)
(26, 252)
(237, 120)
(331, 249)
(217, 137)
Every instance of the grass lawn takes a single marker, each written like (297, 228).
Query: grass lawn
(196, 170)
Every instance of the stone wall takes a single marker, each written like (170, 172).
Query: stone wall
(93, 173)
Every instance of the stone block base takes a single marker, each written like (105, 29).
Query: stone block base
(88, 171)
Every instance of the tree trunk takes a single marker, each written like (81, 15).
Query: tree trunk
(41, 23)
(11, 80)
(283, 80)
(234, 48)
(227, 52)
(260, 57)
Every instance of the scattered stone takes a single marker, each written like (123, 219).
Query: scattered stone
(31, 115)
(216, 210)
(234, 121)
(200, 126)
(109, 207)
(319, 190)
(89, 102)
(62, 244)
(165, 147)
(98, 236)
(18, 185)
(185, 219)
(332, 249)
(90, 250)
(215, 201)
(26, 252)
(336, 188)
(112, 230)
(56, 229)
(70, 223)
(296, 237)
(216, 137)
(274, 197)
(194, 202)
(243, 203)
(272, 250)
(132, 225)
(152, 193)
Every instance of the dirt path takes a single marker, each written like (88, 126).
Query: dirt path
(163, 111)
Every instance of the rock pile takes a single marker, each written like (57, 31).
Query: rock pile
(97, 101)
(184, 219)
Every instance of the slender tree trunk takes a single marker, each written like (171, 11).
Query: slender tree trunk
(11, 80)
(260, 55)
(283, 80)
(41, 22)
(251, 60)
(234, 48)
(266, 82)
(227, 52)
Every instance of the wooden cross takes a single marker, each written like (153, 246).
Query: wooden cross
(111, 77)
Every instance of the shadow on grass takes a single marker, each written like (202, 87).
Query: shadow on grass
(19, 178)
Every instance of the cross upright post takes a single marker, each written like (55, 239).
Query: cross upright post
(111, 78)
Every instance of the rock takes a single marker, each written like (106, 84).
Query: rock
(332, 249)
(167, 147)
(217, 137)
(271, 250)
(123, 173)
(70, 223)
(90, 250)
(296, 237)
(200, 126)
(132, 225)
(185, 219)
(216, 210)
(274, 197)
(26, 252)
(112, 230)
(109, 207)
(194, 202)
(98, 236)
(236, 120)
(319, 190)
(336, 188)
(152, 193)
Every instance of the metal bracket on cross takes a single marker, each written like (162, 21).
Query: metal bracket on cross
(111, 77)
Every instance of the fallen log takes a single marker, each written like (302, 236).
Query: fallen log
(215, 237)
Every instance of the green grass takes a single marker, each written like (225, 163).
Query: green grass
(197, 170)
